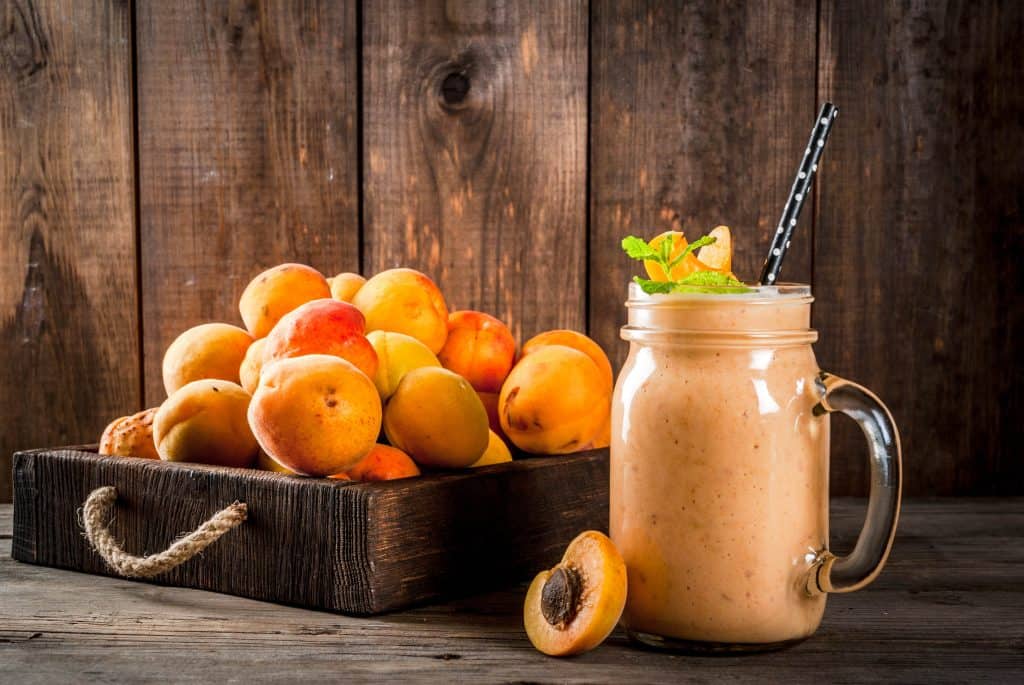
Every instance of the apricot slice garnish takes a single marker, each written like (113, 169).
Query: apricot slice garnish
(573, 607)
(681, 270)
(718, 255)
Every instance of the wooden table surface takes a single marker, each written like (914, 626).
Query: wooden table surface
(948, 608)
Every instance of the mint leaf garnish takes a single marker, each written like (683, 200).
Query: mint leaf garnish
(636, 248)
(709, 282)
(653, 287)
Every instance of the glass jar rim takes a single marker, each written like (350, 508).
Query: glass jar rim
(643, 306)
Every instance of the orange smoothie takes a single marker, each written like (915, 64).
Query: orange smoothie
(719, 467)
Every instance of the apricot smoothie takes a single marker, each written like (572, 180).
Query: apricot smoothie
(719, 466)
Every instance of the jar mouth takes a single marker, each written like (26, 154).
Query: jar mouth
(781, 293)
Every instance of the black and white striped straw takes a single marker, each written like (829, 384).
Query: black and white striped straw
(798, 193)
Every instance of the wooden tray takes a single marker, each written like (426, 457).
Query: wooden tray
(354, 548)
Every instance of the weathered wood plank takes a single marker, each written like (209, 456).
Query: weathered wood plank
(475, 153)
(917, 267)
(69, 359)
(917, 623)
(357, 548)
(247, 153)
(699, 117)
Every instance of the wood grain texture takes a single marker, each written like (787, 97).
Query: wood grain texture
(699, 116)
(356, 548)
(917, 266)
(945, 610)
(247, 154)
(69, 359)
(475, 153)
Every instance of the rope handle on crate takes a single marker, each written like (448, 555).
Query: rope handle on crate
(96, 514)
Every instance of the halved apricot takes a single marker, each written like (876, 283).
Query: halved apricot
(718, 255)
(573, 607)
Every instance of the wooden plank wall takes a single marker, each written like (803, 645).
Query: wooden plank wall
(154, 156)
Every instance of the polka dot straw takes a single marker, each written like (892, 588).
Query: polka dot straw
(798, 193)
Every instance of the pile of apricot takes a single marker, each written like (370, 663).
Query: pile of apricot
(367, 379)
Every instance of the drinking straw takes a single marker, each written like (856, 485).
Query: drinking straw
(798, 193)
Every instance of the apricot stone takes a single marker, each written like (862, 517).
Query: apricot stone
(204, 421)
(554, 402)
(384, 462)
(577, 341)
(480, 348)
(315, 415)
(435, 417)
(277, 291)
(209, 350)
(405, 301)
(249, 371)
(397, 355)
(131, 436)
(324, 326)
(345, 285)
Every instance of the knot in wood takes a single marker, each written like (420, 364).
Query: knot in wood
(455, 88)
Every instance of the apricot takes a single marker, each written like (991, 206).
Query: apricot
(131, 436)
(315, 415)
(383, 462)
(249, 371)
(497, 452)
(345, 285)
(209, 350)
(277, 291)
(265, 463)
(397, 355)
(577, 341)
(480, 348)
(324, 326)
(573, 607)
(490, 400)
(554, 402)
(436, 418)
(405, 301)
(204, 421)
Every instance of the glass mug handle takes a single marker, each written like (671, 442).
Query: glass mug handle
(852, 572)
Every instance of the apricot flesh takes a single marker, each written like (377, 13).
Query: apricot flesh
(555, 401)
(383, 462)
(573, 607)
(405, 301)
(204, 421)
(131, 436)
(437, 419)
(577, 341)
(316, 414)
(324, 326)
(277, 291)
(209, 350)
(397, 355)
(480, 348)
(345, 285)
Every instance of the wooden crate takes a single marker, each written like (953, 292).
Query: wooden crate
(354, 548)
